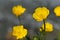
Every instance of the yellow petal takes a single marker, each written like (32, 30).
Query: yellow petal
(57, 11)
(49, 27)
(18, 10)
(19, 31)
(40, 13)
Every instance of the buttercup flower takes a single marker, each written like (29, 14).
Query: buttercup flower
(57, 11)
(18, 10)
(19, 32)
(40, 13)
(49, 27)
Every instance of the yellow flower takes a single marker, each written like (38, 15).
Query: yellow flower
(19, 32)
(18, 10)
(57, 11)
(40, 13)
(49, 27)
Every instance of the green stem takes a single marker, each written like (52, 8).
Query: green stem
(44, 33)
(44, 25)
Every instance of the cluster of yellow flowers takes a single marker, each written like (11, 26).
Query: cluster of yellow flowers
(49, 27)
(18, 10)
(19, 31)
(40, 13)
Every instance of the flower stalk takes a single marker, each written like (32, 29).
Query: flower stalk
(43, 33)
(44, 30)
